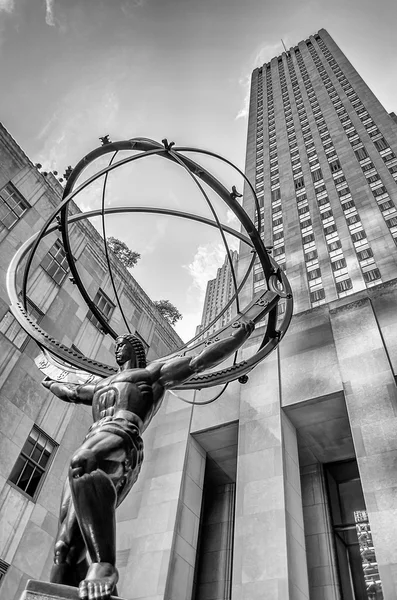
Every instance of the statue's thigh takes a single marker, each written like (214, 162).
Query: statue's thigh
(110, 452)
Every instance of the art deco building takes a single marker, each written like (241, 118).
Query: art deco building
(285, 487)
(218, 293)
(321, 153)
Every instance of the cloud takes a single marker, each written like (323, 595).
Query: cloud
(267, 52)
(158, 234)
(231, 219)
(7, 5)
(258, 58)
(204, 265)
(82, 109)
(186, 327)
(128, 7)
(245, 83)
(49, 13)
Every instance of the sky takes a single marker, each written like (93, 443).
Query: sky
(74, 70)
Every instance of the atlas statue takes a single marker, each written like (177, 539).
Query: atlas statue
(107, 464)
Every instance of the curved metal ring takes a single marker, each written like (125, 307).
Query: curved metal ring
(102, 369)
(263, 303)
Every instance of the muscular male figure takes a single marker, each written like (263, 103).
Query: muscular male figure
(107, 464)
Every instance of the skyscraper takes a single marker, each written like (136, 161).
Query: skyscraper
(322, 154)
(218, 293)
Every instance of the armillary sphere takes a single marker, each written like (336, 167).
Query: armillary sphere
(264, 304)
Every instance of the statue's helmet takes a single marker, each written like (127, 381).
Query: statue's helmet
(138, 347)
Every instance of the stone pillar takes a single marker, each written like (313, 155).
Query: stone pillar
(323, 577)
(146, 520)
(269, 549)
(216, 540)
(371, 401)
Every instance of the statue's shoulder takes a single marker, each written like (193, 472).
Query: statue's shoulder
(154, 368)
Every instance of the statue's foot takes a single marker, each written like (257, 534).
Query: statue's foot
(99, 583)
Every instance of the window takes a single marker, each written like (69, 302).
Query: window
(317, 175)
(33, 462)
(371, 275)
(313, 274)
(12, 206)
(3, 569)
(381, 144)
(299, 183)
(379, 191)
(348, 204)
(358, 235)
(334, 245)
(311, 255)
(317, 295)
(361, 153)
(342, 286)
(308, 238)
(343, 191)
(330, 229)
(305, 223)
(105, 307)
(334, 166)
(364, 254)
(12, 330)
(326, 214)
(276, 195)
(55, 264)
(391, 222)
(279, 250)
(338, 264)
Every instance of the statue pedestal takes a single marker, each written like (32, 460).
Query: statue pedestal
(42, 590)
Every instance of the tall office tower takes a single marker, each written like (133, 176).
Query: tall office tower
(321, 152)
(219, 291)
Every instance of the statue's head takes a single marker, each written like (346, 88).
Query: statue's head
(130, 347)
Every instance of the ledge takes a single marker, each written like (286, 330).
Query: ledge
(42, 590)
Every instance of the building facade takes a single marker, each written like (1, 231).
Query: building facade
(321, 152)
(218, 293)
(285, 487)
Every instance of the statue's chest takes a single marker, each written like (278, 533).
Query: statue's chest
(122, 391)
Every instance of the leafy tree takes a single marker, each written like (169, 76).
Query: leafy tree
(128, 257)
(168, 310)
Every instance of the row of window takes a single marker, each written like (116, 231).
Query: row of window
(317, 292)
(12, 206)
(386, 205)
(370, 272)
(338, 262)
(377, 137)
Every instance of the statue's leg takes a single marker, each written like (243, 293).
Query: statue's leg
(70, 563)
(96, 473)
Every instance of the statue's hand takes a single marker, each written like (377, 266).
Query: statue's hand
(47, 381)
(245, 328)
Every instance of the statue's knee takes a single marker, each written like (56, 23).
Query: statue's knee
(61, 552)
(84, 461)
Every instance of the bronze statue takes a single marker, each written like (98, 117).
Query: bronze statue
(106, 466)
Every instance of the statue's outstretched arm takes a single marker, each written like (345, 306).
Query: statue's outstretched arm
(71, 392)
(178, 370)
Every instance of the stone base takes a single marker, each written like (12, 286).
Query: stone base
(42, 590)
